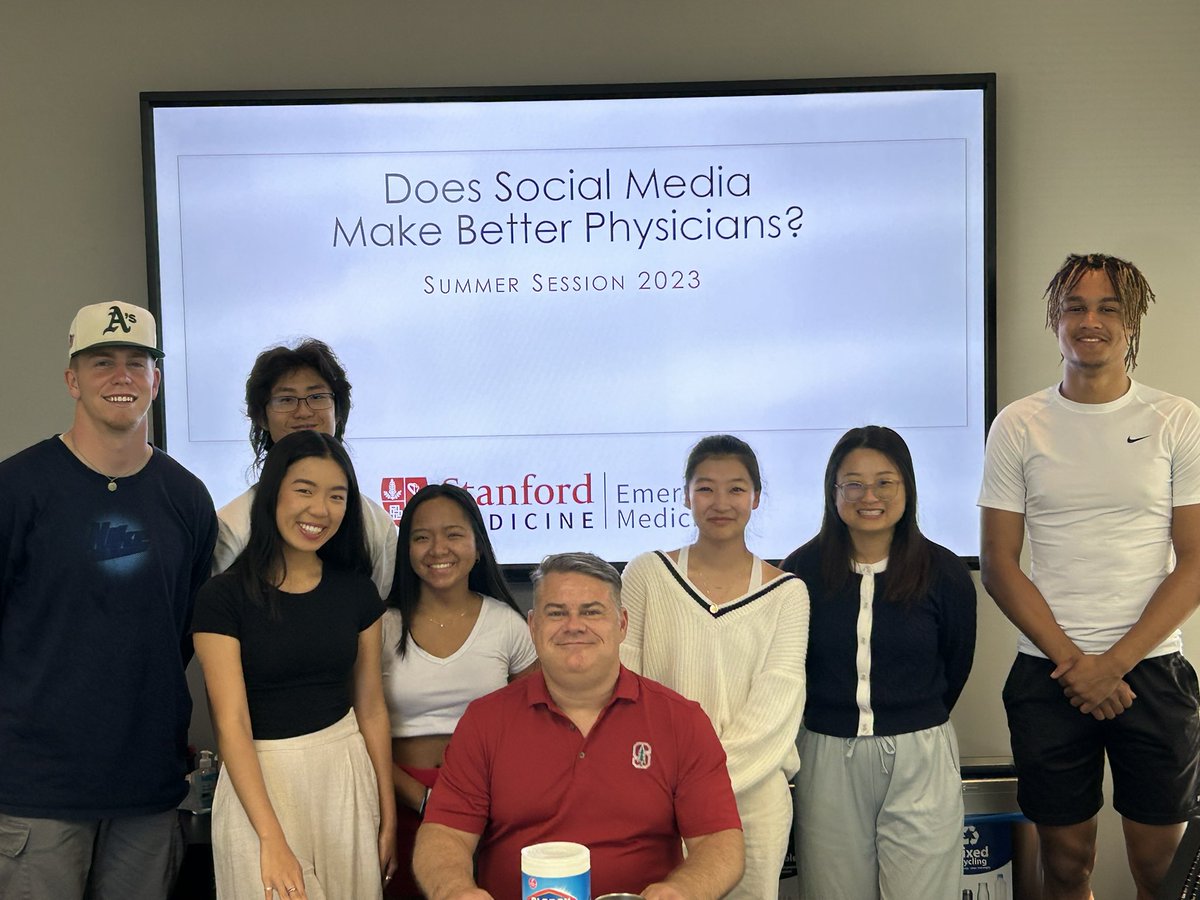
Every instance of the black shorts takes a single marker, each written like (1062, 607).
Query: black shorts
(1153, 747)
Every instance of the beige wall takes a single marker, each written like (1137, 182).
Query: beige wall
(1098, 148)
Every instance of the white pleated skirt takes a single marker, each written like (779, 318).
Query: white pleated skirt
(323, 789)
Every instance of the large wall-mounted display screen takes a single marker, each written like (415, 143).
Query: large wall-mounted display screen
(547, 295)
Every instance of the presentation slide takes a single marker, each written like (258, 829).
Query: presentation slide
(549, 301)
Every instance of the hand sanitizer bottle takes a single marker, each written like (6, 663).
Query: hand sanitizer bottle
(206, 779)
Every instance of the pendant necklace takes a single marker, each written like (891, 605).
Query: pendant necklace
(112, 479)
(442, 624)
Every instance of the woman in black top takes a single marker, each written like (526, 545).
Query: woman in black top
(879, 810)
(289, 639)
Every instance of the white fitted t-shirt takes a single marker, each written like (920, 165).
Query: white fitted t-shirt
(1096, 483)
(428, 694)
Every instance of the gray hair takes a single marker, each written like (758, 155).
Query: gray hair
(580, 564)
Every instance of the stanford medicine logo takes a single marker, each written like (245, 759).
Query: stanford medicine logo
(531, 504)
(395, 494)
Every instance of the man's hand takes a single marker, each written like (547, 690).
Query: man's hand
(1116, 703)
(660, 890)
(1093, 683)
(443, 863)
(713, 867)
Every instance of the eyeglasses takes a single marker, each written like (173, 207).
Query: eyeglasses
(883, 489)
(289, 403)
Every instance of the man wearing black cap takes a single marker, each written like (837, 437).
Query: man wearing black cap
(103, 543)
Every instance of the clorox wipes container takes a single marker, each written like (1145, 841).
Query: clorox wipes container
(557, 870)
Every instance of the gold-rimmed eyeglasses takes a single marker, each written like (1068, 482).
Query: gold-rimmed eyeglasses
(883, 489)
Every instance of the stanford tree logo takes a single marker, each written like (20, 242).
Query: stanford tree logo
(641, 755)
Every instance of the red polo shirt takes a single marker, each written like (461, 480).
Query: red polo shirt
(518, 772)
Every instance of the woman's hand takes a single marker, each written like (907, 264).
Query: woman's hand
(387, 853)
(409, 791)
(281, 870)
(221, 657)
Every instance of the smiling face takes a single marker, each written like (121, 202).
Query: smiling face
(577, 627)
(721, 495)
(441, 546)
(300, 383)
(1091, 328)
(311, 505)
(870, 516)
(113, 387)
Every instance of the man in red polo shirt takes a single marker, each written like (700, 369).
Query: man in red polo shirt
(583, 751)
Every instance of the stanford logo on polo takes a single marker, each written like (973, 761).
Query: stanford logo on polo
(118, 319)
(395, 493)
(641, 755)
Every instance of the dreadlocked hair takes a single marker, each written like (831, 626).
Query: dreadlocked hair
(1130, 285)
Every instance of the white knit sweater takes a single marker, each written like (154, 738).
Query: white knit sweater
(742, 661)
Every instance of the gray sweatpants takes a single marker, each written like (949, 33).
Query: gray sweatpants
(879, 817)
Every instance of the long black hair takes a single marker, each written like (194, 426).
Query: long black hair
(910, 559)
(485, 576)
(261, 566)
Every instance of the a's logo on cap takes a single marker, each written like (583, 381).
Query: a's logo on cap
(396, 492)
(118, 319)
(641, 755)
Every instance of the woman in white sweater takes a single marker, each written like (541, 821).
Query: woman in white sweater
(726, 629)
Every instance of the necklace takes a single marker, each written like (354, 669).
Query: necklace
(112, 479)
(443, 624)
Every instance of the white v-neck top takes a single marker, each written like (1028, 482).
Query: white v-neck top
(428, 694)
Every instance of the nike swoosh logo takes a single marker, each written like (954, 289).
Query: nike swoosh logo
(1133, 440)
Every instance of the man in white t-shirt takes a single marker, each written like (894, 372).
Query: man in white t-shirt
(1105, 475)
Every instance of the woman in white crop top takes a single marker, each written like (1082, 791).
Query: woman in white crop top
(452, 633)
(730, 631)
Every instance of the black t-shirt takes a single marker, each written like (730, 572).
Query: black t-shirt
(96, 591)
(298, 669)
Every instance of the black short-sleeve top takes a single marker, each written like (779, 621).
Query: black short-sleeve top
(298, 669)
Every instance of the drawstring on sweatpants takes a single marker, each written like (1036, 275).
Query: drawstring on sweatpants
(887, 756)
(887, 759)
